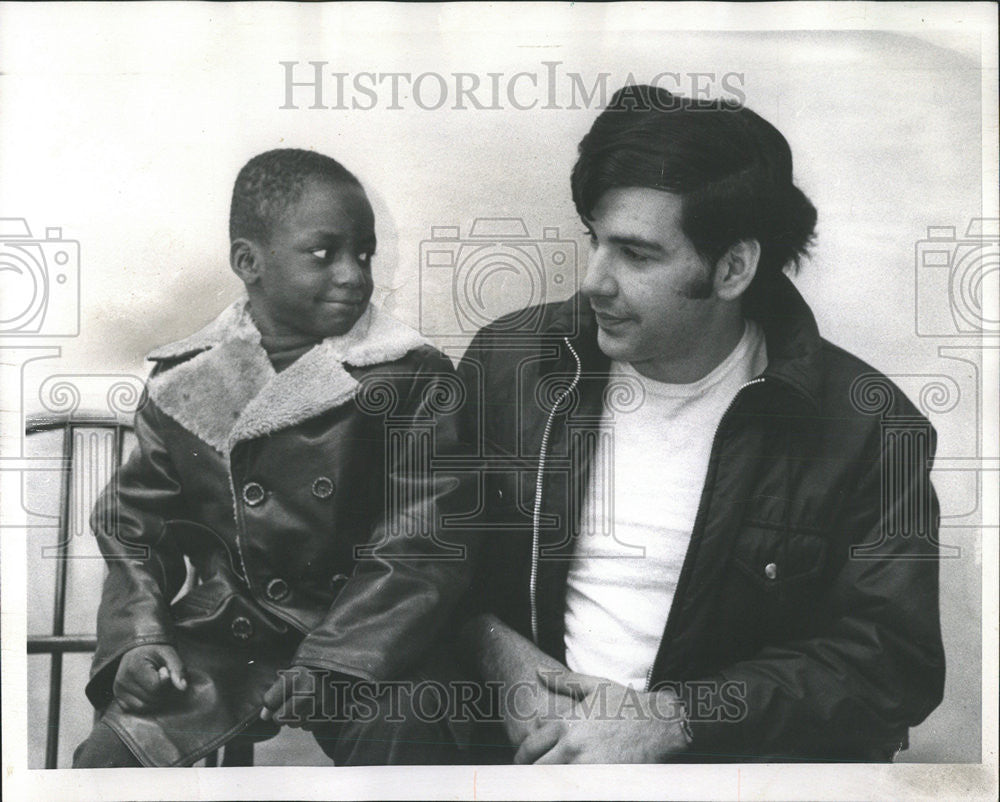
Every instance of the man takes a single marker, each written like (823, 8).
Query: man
(687, 558)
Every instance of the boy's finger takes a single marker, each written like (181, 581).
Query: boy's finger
(131, 703)
(273, 699)
(146, 677)
(175, 669)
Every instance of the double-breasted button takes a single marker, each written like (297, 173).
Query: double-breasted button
(771, 571)
(253, 493)
(242, 628)
(323, 487)
(277, 589)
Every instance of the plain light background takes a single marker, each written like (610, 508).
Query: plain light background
(126, 126)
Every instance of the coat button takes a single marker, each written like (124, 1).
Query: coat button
(277, 589)
(337, 580)
(242, 628)
(253, 493)
(771, 571)
(323, 487)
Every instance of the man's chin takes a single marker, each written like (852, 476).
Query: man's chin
(616, 348)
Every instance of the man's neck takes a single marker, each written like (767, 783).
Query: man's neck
(689, 368)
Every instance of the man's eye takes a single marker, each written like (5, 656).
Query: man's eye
(365, 256)
(323, 254)
(634, 256)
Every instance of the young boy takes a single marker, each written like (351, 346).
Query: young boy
(262, 458)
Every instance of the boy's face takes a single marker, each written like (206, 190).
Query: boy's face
(314, 277)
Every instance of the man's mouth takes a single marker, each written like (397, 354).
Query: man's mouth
(606, 320)
(341, 301)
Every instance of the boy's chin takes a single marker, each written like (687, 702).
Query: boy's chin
(338, 323)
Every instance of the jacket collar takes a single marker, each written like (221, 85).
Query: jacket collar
(226, 390)
(794, 345)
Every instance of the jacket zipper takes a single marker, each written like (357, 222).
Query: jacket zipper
(699, 516)
(537, 512)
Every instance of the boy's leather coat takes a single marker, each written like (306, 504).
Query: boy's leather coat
(303, 501)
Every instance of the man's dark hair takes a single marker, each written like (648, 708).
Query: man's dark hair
(269, 183)
(732, 169)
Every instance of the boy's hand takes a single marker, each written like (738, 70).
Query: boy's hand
(298, 697)
(146, 675)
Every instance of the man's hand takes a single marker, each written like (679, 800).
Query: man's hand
(609, 723)
(298, 698)
(147, 675)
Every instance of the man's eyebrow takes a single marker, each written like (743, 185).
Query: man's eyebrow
(637, 242)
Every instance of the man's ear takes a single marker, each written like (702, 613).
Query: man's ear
(245, 261)
(736, 269)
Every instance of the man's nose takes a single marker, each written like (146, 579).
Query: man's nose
(598, 279)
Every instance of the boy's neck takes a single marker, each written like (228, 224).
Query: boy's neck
(284, 349)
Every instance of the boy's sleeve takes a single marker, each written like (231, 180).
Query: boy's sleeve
(145, 569)
(416, 566)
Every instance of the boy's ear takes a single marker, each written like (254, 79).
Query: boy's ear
(245, 260)
(736, 269)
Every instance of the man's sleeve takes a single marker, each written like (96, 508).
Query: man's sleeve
(415, 567)
(876, 667)
(145, 569)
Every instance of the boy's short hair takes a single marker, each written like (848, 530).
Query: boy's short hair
(269, 183)
(731, 168)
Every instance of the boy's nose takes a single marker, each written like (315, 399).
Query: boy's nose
(348, 272)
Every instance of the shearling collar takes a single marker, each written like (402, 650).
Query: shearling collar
(228, 391)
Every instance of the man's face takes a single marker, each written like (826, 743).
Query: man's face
(650, 290)
(315, 278)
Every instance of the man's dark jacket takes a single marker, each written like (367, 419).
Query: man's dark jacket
(805, 622)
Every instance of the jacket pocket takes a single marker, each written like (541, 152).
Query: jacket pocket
(777, 585)
(217, 611)
(778, 560)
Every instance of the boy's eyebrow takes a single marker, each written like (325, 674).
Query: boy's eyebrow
(338, 236)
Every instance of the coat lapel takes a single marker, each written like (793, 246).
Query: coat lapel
(230, 392)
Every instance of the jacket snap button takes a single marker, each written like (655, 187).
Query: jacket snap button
(771, 571)
(242, 628)
(323, 487)
(277, 589)
(253, 493)
(337, 580)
